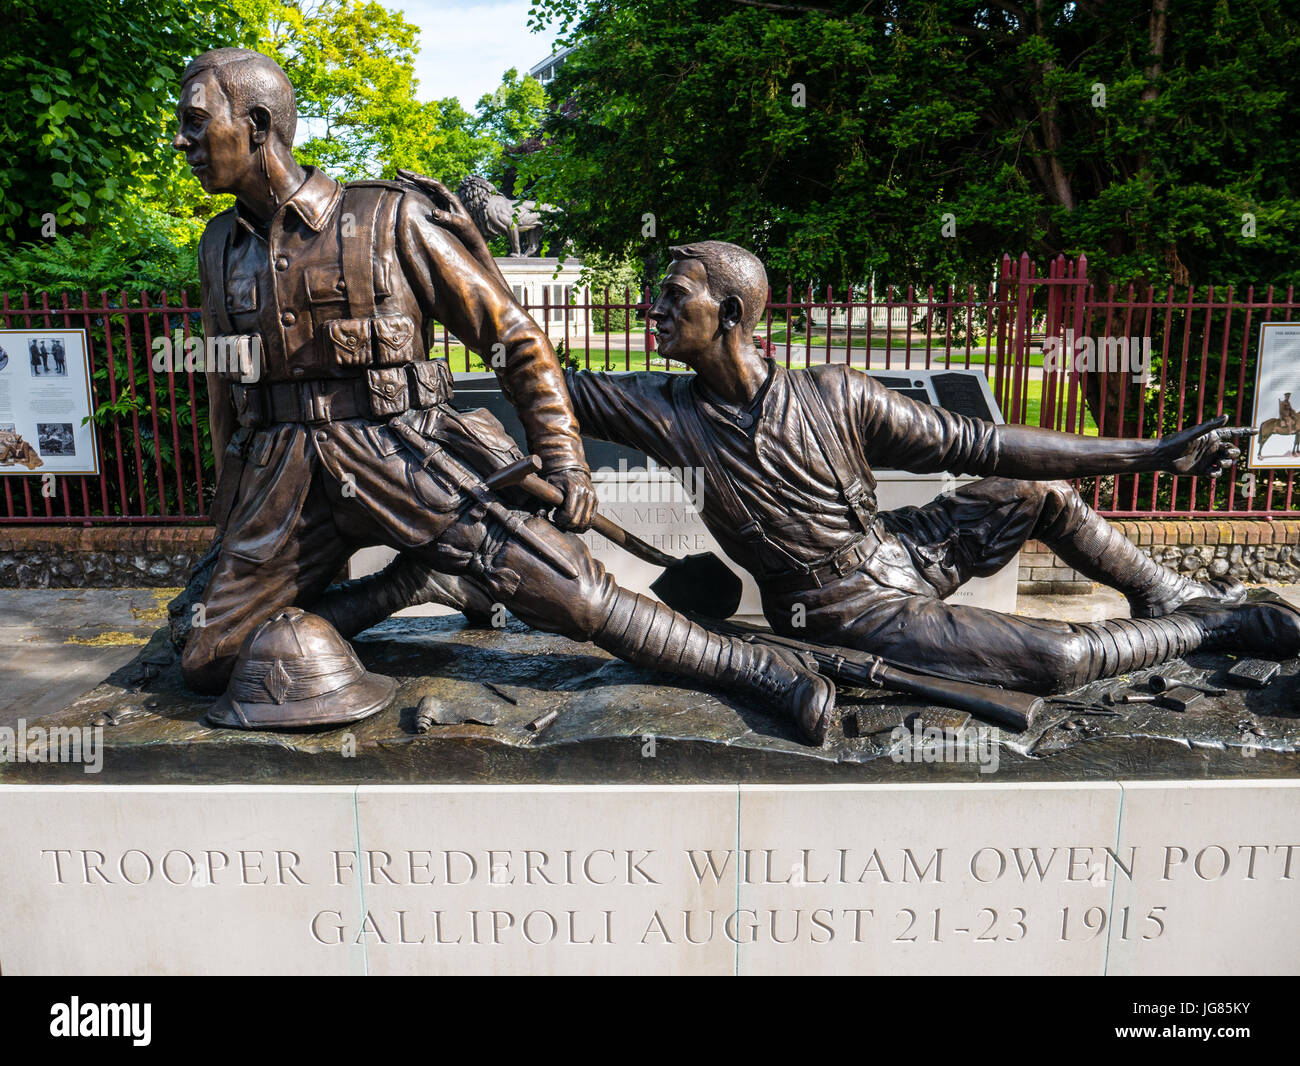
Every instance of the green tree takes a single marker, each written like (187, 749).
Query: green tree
(352, 65)
(87, 90)
(920, 139)
(506, 119)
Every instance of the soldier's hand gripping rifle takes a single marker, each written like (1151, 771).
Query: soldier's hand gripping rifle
(1004, 707)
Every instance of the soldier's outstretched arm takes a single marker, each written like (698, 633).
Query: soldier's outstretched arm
(907, 435)
(634, 409)
(1209, 449)
(477, 307)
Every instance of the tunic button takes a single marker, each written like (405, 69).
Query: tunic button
(282, 263)
(322, 436)
(288, 319)
(342, 286)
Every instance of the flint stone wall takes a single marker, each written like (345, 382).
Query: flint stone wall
(38, 557)
(1250, 550)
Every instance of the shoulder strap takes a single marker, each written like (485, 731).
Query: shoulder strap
(358, 251)
(819, 418)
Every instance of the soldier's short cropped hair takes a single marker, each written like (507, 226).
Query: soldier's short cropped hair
(250, 79)
(729, 270)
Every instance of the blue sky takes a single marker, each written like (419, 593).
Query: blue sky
(466, 45)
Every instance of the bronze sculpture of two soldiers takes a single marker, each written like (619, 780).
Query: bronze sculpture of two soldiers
(349, 439)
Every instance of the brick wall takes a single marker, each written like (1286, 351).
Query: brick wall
(1248, 550)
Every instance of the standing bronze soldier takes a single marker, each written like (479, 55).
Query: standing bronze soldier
(349, 439)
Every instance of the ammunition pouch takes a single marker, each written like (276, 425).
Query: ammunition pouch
(347, 341)
(383, 340)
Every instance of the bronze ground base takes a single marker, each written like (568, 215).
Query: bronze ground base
(615, 723)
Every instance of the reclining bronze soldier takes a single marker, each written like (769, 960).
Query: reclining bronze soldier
(788, 492)
(349, 438)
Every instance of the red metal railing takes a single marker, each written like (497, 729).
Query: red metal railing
(1203, 343)
(156, 467)
(150, 471)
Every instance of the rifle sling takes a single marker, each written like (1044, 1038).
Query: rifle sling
(691, 424)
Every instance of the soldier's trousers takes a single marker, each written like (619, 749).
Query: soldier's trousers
(308, 503)
(899, 613)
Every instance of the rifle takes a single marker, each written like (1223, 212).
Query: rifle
(432, 454)
(1003, 707)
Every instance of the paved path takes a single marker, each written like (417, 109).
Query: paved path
(58, 644)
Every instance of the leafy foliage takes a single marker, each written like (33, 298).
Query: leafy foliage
(920, 139)
(87, 89)
(619, 277)
(505, 120)
(352, 66)
(88, 127)
(145, 249)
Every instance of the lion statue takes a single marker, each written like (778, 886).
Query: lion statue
(495, 215)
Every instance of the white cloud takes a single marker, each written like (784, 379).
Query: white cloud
(466, 45)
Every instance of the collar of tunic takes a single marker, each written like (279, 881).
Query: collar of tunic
(313, 203)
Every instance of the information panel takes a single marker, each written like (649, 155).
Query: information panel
(1277, 394)
(45, 425)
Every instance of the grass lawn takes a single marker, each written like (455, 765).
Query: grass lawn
(1034, 409)
(896, 342)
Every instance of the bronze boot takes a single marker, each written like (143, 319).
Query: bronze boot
(1266, 626)
(646, 632)
(1091, 545)
(354, 606)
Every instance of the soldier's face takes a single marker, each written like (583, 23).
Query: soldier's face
(685, 316)
(217, 147)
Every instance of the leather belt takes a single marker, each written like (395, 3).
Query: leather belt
(844, 561)
(329, 400)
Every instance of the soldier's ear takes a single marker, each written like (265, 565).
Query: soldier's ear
(260, 118)
(731, 312)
